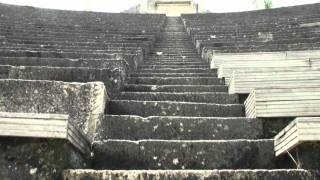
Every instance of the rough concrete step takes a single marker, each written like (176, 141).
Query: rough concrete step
(160, 60)
(176, 80)
(162, 63)
(174, 88)
(206, 97)
(158, 66)
(174, 75)
(178, 58)
(180, 128)
(253, 174)
(170, 108)
(176, 54)
(184, 154)
(178, 70)
(174, 57)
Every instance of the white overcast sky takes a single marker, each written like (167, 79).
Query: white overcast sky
(120, 5)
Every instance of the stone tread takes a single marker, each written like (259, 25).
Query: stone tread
(241, 174)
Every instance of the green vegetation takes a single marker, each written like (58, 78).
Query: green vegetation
(268, 4)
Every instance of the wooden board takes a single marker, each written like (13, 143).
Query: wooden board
(283, 102)
(226, 70)
(33, 125)
(243, 82)
(226, 58)
(302, 129)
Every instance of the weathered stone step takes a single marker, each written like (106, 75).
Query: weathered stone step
(170, 108)
(176, 54)
(174, 75)
(253, 174)
(207, 97)
(179, 154)
(172, 60)
(178, 59)
(178, 70)
(174, 88)
(179, 128)
(159, 66)
(176, 80)
(202, 63)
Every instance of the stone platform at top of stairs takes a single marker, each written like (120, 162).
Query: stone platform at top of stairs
(185, 154)
(254, 174)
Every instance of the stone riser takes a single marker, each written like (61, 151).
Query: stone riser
(174, 88)
(169, 108)
(163, 63)
(179, 128)
(218, 98)
(178, 70)
(159, 66)
(176, 81)
(174, 75)
(179, 155)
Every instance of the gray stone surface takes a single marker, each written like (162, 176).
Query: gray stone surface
(193, 174)
(84, 102)
(214, 97)
(35, 159)
(164, 154)
(178, 70)
(112, 78)
(174, 75)
(168, 108)
(176, 80)
(175, 88)
(184, 128)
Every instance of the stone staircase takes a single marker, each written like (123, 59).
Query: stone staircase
(175, 120)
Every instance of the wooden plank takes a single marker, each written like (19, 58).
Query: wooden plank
(307, 130)
(33, 116)
(43, 126)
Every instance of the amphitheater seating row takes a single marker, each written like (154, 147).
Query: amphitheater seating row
(88, 46)
(282, 29)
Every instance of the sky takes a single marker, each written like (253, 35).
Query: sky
(121, 5)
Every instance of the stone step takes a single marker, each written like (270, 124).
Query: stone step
(184, 154)
(174, 75)
(174, 88)
(180, 128)
(176, 80)
(159, 66)
(178, 70)
(162, 63)
(172, 58)
(207, 97)
(252, 174)
(170, 108)
(176, 54)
